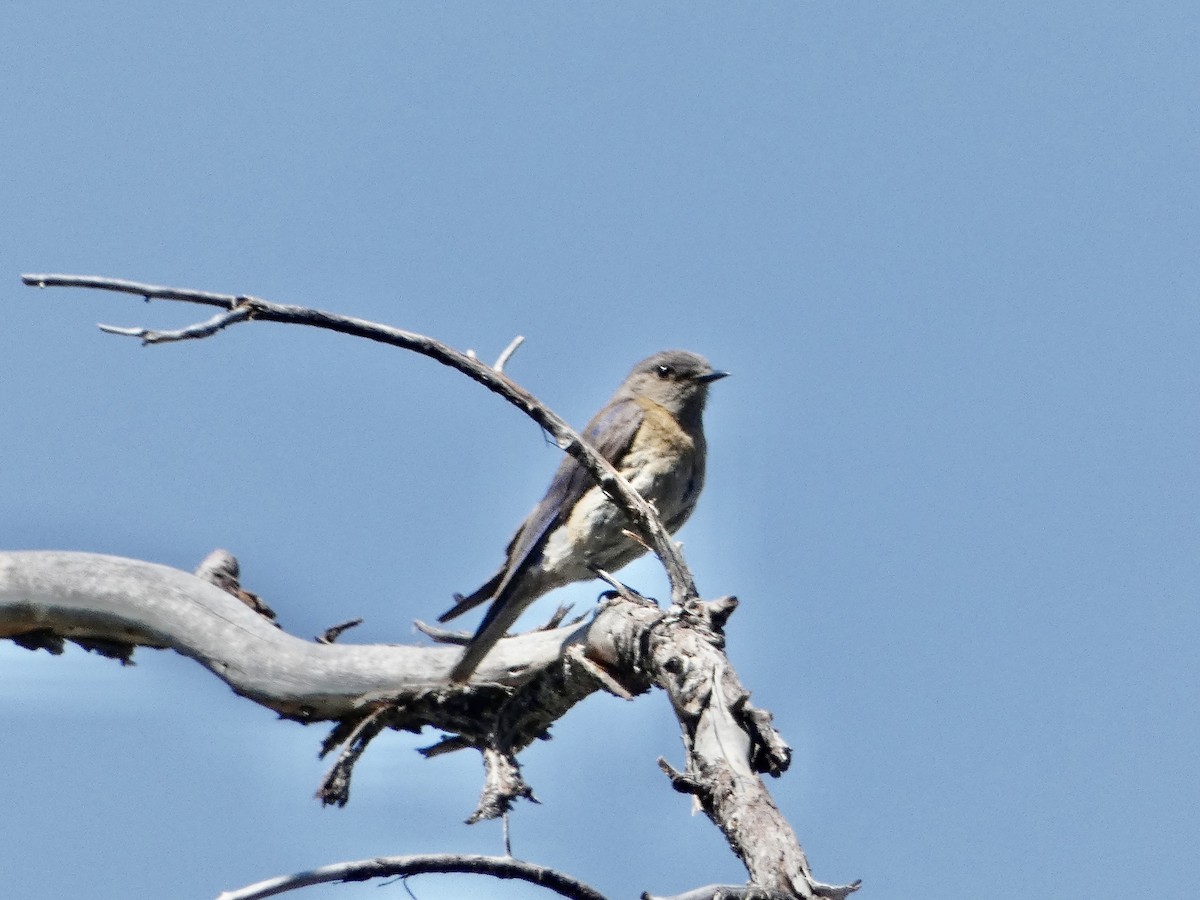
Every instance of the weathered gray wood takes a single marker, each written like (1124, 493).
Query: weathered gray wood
(89, 597)
(525, 683)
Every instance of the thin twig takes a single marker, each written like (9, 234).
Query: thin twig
(624, 591)
(558, 616)
(147, 291)
(442, 635)
(199, 330)
(445, 745)
(335, 786)
(507, 352)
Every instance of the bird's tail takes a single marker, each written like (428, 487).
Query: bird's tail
(463, 604)
(499, 618)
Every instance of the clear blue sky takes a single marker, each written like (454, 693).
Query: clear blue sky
(948, 250)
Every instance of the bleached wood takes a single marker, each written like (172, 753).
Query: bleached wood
(90, 596)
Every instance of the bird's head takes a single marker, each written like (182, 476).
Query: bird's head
(677, 380)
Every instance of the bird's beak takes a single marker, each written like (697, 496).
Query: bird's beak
(711, 376)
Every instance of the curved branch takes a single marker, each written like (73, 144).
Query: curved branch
(526, 683)
(112, 605)
(405, 866)
(246, 308)
(86, 597)
(109, 603)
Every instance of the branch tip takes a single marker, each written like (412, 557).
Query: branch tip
(442, 635)
(507, 352)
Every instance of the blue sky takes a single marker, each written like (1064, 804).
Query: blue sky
(949, 252)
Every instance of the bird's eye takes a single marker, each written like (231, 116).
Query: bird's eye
(665, 371)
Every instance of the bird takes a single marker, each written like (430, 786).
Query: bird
(652, 432)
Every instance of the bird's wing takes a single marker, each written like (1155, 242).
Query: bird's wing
(610, 432)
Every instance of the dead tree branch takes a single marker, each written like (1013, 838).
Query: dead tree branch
(405, 866)
(243, 308)
(525, 684)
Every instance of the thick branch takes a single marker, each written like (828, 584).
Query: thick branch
(727, 742)
(85, 597)
(525, 685)
(245, 308)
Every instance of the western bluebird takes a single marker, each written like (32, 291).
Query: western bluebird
(652, 433)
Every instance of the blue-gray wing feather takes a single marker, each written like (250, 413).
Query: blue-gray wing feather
(610, 432)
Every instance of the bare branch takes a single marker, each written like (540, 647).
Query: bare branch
(622, 590)
(86, 597)
(404, 866)
(443, 635)
(444, 746)
(199, 330)
(507, 352)
(559, 616)
(835, 891)
(724, 755)
(255, 309)
(335, 787)
(110, 605)
(502, 786)
(526, 682)
(146, 291)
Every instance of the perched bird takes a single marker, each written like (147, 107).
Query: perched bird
(652, 432)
